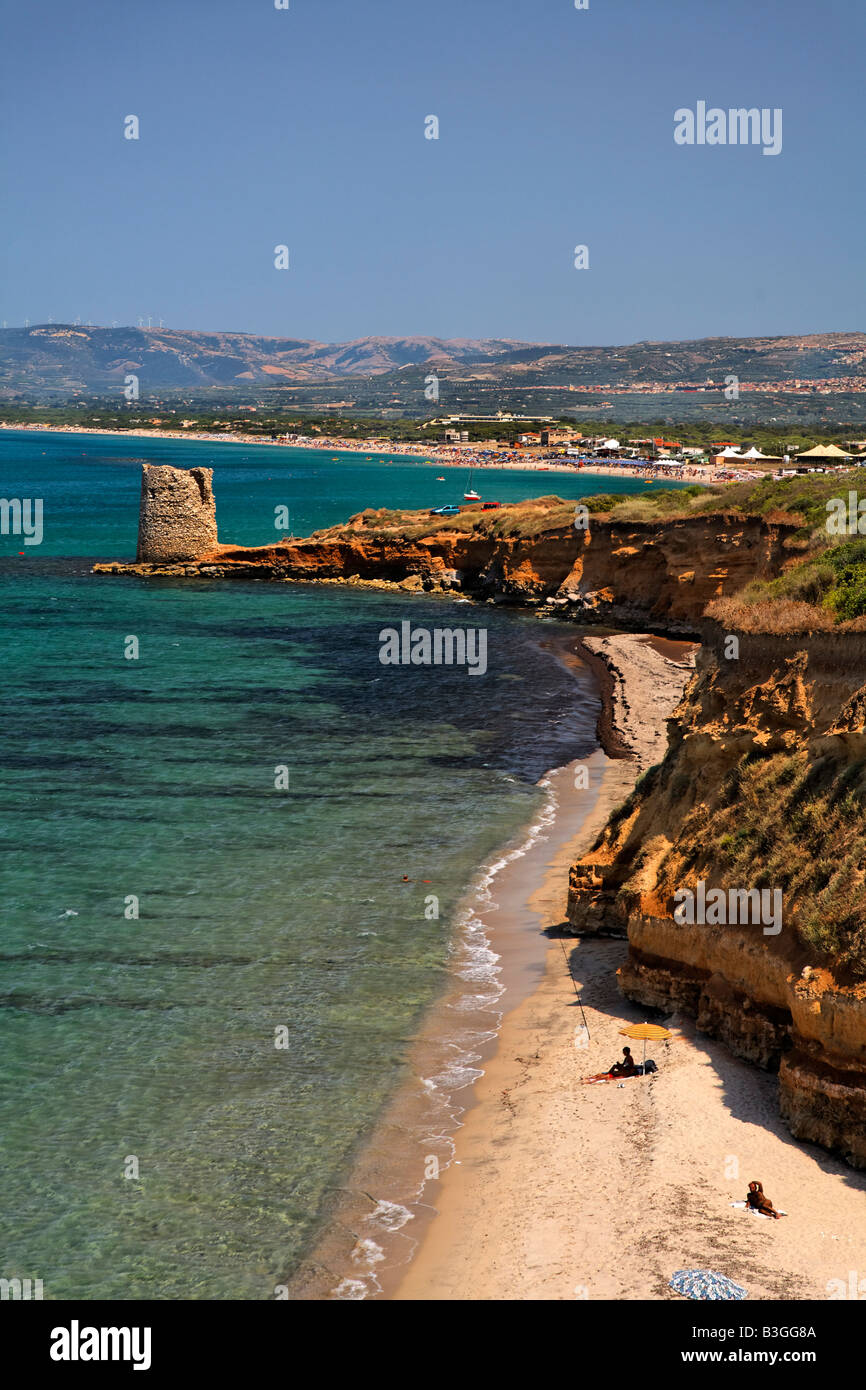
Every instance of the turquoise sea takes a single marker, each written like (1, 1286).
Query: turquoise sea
(156, 1141)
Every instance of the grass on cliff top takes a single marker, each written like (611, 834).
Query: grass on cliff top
(827, 588)
(804, 498)
(822, 586)
(801, 501)
(793, 822)
(519, 520)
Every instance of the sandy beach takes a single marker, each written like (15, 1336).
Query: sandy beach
(562, 1190)
(453, 456)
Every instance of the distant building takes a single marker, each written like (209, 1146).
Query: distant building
(562, 435)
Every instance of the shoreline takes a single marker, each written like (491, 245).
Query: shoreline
(389, 1199)
(641, 678)
(468, 458)
(389, 1210)
(561, 1190)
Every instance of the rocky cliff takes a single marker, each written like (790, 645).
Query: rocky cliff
(649, 570)
(762, 787)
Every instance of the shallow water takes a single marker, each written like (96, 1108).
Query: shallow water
(146, 1044)
(90, 486)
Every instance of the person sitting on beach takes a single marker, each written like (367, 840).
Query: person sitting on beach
(626, 1067)
(758, 1202)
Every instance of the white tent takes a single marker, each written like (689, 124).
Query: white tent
(754, 453)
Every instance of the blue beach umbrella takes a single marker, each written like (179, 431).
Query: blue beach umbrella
(706, 1284)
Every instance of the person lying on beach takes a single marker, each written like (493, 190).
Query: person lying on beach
(756, 1199)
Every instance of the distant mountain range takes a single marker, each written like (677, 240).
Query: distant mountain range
(63, 360)
(69, 357)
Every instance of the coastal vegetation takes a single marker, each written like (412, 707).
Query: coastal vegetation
(802, 499)
(217, 412)
(792, 821)
(825, 582)
(783, 820)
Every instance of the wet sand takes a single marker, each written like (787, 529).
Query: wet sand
(375, 1223)
(391, 1198)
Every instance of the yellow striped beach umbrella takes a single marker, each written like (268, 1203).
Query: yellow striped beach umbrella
(653, 1031)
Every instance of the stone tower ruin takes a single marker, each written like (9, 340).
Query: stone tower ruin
(177, 519)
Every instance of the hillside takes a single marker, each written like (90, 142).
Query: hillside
(60, 358)
(53, 362)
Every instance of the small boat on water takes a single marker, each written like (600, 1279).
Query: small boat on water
(440, 480)
(470, 495)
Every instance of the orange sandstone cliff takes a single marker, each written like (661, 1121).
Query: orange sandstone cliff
(761, 787)
(650, 570)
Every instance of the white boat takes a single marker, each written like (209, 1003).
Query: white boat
(470, 495)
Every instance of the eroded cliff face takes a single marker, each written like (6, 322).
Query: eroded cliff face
(761, 787)
(613, 570)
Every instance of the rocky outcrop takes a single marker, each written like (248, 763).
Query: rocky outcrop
(824, 1106)
(642, 682)
(637, 572)
(647, 571)
(177, 517)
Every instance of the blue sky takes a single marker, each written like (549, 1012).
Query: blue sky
(306, 127)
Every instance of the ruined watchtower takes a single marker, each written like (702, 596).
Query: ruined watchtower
(177, 519)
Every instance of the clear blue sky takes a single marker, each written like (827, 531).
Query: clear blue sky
(306, 127)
